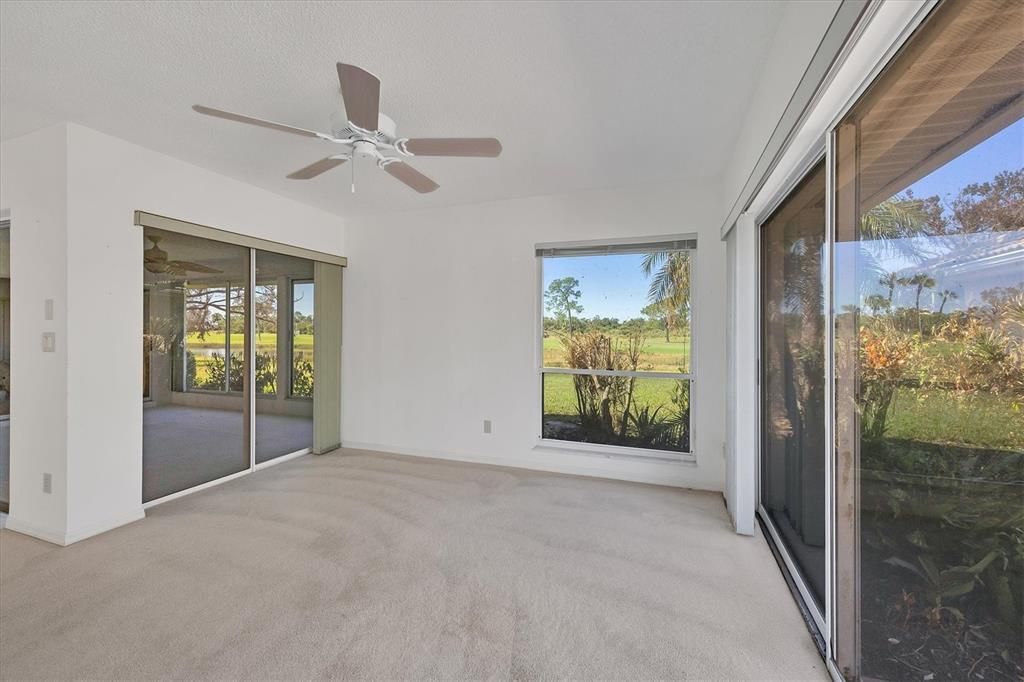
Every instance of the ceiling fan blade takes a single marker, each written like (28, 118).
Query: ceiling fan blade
(453, 146)
(361, 91)
(257, 122)
(315, 169)
(410, 176)
(183, 265)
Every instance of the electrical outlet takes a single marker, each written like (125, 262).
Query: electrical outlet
(47, 483)
(49, 342)
(487, 426)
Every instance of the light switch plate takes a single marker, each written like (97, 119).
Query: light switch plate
(49, 342)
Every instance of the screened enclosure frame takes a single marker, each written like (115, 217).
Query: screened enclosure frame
(617, 246)
(325, 436)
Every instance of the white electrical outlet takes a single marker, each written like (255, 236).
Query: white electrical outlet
(487, 426)
(49, 342)
(48, 483)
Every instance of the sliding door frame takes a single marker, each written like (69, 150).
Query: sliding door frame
(249, 416)
(822, 617)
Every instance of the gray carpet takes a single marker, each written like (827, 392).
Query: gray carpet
(183, 447)
(371, 566)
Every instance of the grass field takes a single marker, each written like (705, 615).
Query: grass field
(265, 343)
(940, 417)
(216, 340)
(560, 396)
(658, 355)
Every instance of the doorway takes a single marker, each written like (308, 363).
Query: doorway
(230, 334)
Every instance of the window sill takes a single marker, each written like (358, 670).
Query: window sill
(617, 452)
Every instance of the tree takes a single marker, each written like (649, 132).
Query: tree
(669, 290)
(995, 206)
(661, 314)
(922, 281)
(878, 302)
(946, 295)
(562, 298)
(890, 281)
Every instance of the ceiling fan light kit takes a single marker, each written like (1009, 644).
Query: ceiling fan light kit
(369, 134)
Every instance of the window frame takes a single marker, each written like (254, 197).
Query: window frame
(621, 245)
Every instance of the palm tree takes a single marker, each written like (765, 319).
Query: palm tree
(922, 281)
(890, 281)
(946, 295)
(877, 302)
(670, 284)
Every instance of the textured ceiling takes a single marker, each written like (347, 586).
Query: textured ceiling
(582, 95)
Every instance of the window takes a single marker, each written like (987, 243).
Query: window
(929, 355)
(616, 366)
(302, 340)
(214, 337)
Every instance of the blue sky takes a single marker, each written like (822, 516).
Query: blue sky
(1002, 151)
(611, 286)
(304, 295)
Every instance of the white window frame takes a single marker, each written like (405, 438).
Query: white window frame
(599, 448)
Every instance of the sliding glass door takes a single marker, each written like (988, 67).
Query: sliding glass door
(230, 379)
(929, 306)
(284, 354)
(194, 378)
(793, 400)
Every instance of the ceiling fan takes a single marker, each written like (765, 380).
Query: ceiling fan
(371, 134)
(157, 263)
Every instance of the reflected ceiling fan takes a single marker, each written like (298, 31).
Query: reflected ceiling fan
(371, 134)
(157, 263)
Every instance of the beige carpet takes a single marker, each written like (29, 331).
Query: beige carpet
(364, 565)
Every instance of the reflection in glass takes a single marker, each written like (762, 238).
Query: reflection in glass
(193, 422)
(793, 376)
(643, 412)
(284, 355)
(929, 302)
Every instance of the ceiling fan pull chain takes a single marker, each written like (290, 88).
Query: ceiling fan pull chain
(353, 164)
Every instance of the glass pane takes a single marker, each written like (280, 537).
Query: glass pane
(929, 300)
(284, 355)
(793, 377)
(631, 412)
(193, 422)
(302, 339)
(619, 297)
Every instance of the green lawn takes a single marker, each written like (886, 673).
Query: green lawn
(216, 340)
(560, 396)
(941, 417)
(658, 355)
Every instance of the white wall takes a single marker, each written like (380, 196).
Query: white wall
(441, 320)
(98, 291)
(795, 41)
(33, 184)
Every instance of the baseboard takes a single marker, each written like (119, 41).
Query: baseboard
(655, 473)
(136, 514)
(67, 538)
(52, 536)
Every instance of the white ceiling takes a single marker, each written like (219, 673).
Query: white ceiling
(582, 95)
